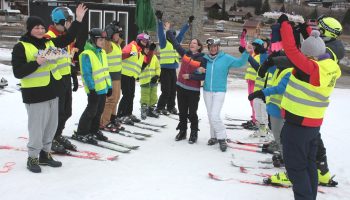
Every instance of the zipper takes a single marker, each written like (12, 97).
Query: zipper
(212, 72)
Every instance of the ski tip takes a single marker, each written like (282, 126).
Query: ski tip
(112, 158)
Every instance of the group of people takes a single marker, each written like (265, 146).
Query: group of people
(289, 84)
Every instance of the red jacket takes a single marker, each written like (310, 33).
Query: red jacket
(305, 70)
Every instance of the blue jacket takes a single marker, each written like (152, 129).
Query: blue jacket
(218, 68)
(271, 108)
(162, 41)
(87, 69)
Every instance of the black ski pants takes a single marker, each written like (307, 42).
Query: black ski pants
(168, 88)
(90, 119)
(64, 104)
(299, 153)
(126, 103)
(187, 101)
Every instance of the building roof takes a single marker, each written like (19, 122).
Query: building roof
(237, 13)
(211, 4)
(251, 24)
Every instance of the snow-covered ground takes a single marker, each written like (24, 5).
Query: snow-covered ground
(161, 169)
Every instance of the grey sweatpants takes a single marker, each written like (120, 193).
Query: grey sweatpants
(276, 128)
(42, 126)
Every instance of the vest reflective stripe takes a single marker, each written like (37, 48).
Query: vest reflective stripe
(115, 58)
(334, 56)
(41, 76)
(276, 79)
(149, 71)
(260, 83)
(132, 65)
(100, 73)
(250, 73)
(306, 100)
(63, 64)
(168, 55)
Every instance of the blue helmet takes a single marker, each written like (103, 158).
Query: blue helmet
(258, 41)
(61, 13)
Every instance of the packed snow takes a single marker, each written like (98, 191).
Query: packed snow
(161, 169)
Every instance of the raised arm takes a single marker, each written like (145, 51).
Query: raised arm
(170, 35)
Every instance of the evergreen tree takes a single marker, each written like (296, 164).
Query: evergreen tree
(314, 14)
(346, 19)
(283, 9)
(224, 15)
(214, 14)
(257, 7)
(266, 7)
(234, 7)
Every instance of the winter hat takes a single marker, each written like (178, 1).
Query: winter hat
(34, 21)
(313, 45)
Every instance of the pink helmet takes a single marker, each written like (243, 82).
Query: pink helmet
(143, 36)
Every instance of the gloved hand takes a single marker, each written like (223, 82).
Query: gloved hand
(256, 94)
(152, 46)
(190, 19)
(282, 18)
(241, 49)
(109, 93)
(159, 14)
(155, 79)
(133, 53)
(265, 66)
(75, 82)
(93, 93)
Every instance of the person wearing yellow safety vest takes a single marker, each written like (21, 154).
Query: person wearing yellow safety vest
(133, 56)
(303, 107)
(40, 86)
(97, 85)
(113, 49)
(62, 18)
(148, 79)
(255, 61)
(169, 62)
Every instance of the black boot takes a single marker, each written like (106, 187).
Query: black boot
(277, 160)
(66, 143)
(99, 136)
(33, 165)
(181, 135)
(193, 136)
(144, 111)
(223, 145)
(57, 147)
(89, 138)
(212, 141)
(152, 113)
(45, 158)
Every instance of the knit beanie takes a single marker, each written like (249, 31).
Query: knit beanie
(313, 45)
(34, 21)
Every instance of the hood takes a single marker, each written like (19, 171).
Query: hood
(337, 47)
(220, 54)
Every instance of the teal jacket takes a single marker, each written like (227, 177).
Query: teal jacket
(218, 68)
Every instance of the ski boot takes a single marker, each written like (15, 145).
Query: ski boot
(212, 141)
(261, 132)
(66, 143)
(45, 158)
(33, 165)
(3, 82)
(270, 147)
(110, 128)
(99, 136)
(117, 122)
(277, 160)
(134, 118)
(250, 125)
(172, 111)
(144, 111)
(279, 179)
(193, 136)
(162, 111)
(223, 145)
(181, 135)
(89, 138)
(57, 147)
(325, 179)
(152, 113)
(127, 120)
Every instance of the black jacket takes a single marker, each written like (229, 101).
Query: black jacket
(22, 68)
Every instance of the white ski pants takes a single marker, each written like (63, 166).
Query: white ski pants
(214, 102)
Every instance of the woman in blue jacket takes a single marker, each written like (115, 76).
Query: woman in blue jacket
(215, 83)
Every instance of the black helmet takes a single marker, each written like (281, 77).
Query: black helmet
(112, 29)
(97, 33)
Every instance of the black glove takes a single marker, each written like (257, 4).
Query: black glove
(241, 49)
(93, 93)
(265, 66)
(159, 14)
(256, 94)
(75, 82)
(152, 46)
(155, 79)
(282, 18)
(109, 93)
(190, 19)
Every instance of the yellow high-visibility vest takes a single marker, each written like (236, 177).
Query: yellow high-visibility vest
(63, 64)
(168, 55)
(100, 73)
(152, 69)
(41, 76)
(277, 98)
(306, 100)
(115, 58)
(250, 73)
(132, 65)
